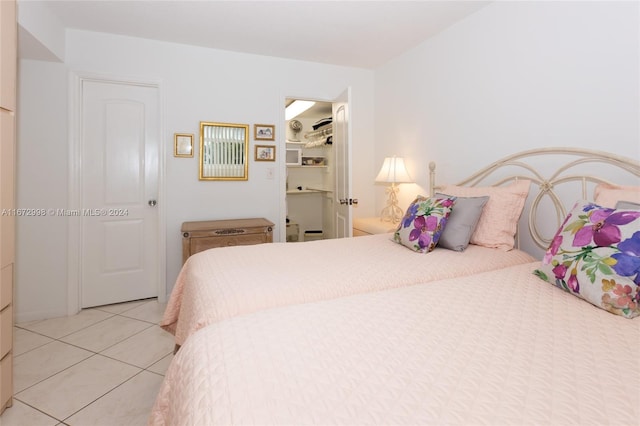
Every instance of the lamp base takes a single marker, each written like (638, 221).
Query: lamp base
(392, 213)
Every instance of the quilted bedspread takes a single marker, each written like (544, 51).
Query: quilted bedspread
(497, 348)
(225, 282)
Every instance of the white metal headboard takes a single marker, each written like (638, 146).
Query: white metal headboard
(565, 164)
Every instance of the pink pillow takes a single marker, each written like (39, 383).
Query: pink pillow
(499, 220)
(607, 195)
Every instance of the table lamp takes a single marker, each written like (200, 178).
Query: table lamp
(393, 171)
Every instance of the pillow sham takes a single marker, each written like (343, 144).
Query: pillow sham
(595, 255)
(628, 205)
(607, 195)
(423, 222)
(461, 222)
(498, 223)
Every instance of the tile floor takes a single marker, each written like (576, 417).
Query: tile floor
(103, 366)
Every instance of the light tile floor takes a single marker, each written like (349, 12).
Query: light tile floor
(103, 366)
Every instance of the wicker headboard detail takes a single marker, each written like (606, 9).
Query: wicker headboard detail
(565, 165)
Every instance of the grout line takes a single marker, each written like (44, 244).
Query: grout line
(84, 328)
(129, 337)
(58, 372)
(93, 354)
(150, 299)
(34, 348)
(59, 339)
(64, 369)
(137, 366)
(138, 319)
(37, 409)
(75, 331)
(126, 338)
(103, 395)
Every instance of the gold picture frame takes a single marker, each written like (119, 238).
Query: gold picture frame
(183, 145)
(224, 151)
(264, 132)
(265, 153)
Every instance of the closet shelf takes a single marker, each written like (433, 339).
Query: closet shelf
(307, 191)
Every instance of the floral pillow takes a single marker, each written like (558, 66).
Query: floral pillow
(595, 255)
(423, 223)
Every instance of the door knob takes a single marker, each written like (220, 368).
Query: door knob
(350, 201)
(153, 203)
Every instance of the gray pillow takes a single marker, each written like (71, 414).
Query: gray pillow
(625, 205)
(461, 222)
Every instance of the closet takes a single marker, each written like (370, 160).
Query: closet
(310, 184)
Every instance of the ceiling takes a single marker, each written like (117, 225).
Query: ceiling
(362, 34)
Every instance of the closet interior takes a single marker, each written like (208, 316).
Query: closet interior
(310, 172)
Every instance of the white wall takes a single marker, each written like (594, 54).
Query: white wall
(41, 35)
(41, 242)
(197, 84)
(512, 76)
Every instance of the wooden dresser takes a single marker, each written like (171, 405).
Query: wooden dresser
(8, 68)
(203, 235)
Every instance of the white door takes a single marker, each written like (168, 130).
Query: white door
(120, 140)
(341, 143)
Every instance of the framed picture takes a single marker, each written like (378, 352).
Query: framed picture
(183, 145)
(264, 132)
(265, 153)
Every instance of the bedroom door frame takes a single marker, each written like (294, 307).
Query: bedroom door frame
(74, 246)
(345, 98)
(342, 140)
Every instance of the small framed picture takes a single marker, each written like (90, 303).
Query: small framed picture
(265, 153)
(183, 145)
(264, 132)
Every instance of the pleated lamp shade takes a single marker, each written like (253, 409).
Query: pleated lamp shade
(393, 171)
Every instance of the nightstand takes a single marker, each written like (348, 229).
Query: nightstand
(371, 225)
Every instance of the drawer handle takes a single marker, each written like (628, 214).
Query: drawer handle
(230, 231)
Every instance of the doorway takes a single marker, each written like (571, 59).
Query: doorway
(317, 172)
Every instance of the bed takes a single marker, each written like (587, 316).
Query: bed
(218, 284)
(222, 283)
(498, 346)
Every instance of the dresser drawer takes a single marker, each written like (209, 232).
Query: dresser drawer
(6, 286)
(6, 330)
(205, 243)
(6, 382)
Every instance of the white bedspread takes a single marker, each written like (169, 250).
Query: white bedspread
(226, 282)
(498, 348)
